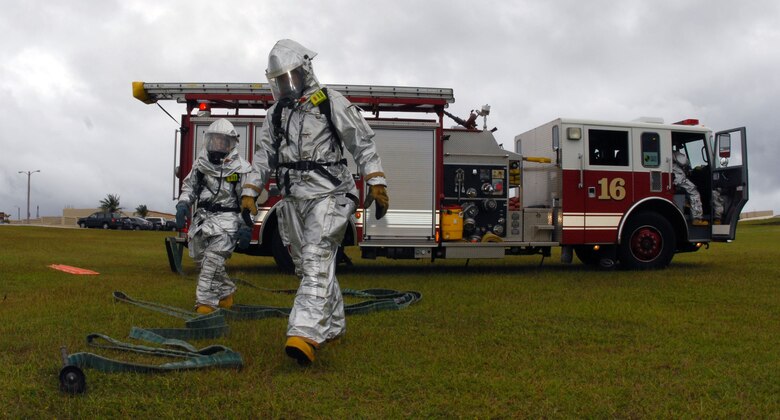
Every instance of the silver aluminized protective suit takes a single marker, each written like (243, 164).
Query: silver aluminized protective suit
(315, 211)
(681, 180)
(213, 233)
(718, 206)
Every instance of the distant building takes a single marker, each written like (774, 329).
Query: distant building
(760, 214)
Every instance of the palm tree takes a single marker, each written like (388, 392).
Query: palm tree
(141, 210)
(110, 203)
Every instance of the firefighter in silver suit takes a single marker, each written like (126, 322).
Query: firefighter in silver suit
(214, 187)
(680, 179)
(304, 140)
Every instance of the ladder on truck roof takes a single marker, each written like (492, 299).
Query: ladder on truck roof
(258, 95)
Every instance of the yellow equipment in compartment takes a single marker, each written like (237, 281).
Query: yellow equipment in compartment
(452, 223)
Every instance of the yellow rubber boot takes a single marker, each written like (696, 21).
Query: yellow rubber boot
(301, 349)
(227, 302)
(204, 309)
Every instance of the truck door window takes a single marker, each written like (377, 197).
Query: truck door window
(608, 147)
(651, 150)
(734, 155)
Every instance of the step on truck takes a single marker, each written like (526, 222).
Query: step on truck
(601, 190)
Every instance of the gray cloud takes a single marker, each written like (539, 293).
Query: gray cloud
(65, 74)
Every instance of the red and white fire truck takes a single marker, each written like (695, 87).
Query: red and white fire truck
(601, 190)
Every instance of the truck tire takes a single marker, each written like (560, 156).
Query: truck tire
(587, 255)
(83, 225)
(105, 225)
(281, 255)
(648, 242)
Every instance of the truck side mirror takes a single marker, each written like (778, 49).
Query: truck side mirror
(724, 145)
(556, 138)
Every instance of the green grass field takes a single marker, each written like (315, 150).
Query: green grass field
(491, 339)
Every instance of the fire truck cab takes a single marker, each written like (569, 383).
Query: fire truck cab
(601, 190)
(613, 187)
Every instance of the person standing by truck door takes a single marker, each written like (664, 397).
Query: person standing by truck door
(303, 144)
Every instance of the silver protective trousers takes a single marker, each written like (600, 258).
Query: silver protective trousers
(314, 229)
(717, 205)
(694, 199)
(211, 252)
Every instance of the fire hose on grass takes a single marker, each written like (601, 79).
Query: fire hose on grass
(197, 327)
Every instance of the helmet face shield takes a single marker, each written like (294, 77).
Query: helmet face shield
(289, 85)
(216, 142)
(218, 146)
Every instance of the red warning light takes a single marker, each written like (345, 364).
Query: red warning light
(689, 121)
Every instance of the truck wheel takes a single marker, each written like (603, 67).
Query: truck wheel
(647, 243)
(587, 255)
(105, 225)
(83, 225)
(281, 255)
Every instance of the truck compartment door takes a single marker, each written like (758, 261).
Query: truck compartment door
(729, 180)
(408, 162)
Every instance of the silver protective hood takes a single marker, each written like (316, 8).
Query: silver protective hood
(222, 126)
(221, 137)
(681, 159)
(220, 141)
(286, 56)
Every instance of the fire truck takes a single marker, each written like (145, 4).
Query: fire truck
(600, 190)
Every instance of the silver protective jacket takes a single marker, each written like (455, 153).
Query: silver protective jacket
(308, 138)
(215, 188)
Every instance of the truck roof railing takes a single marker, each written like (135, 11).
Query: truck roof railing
(258, 95)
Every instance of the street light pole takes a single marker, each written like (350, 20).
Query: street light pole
(29, 174)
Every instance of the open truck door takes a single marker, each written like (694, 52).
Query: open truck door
(730, 179)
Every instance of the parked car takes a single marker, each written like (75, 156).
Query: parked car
(170, 225)
(136, 223)
(145, 224)
(126, 223)
(101, 219)
(158, 223)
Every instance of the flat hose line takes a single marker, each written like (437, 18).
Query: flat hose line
(211, 356)
(213, 325)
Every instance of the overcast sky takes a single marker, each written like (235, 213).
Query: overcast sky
(66, 70)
